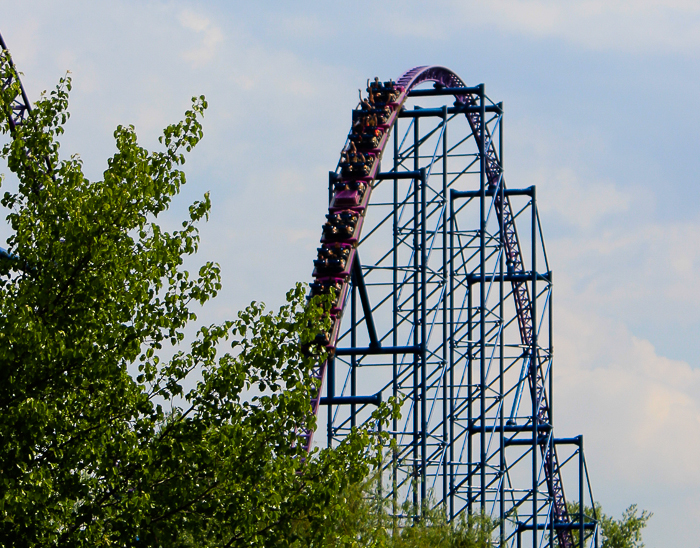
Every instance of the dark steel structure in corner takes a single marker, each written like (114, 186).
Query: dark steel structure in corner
(21, 107)
(450, 310)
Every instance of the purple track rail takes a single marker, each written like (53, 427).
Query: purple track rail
(509, 239)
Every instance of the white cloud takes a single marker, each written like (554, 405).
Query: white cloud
(623, 395)
(627, 25)
(579, 203)
(634, 270)
(621, 25)
(212, 37)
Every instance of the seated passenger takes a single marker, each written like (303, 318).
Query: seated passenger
(366, 104)
(392, 92)
(351, 155)
(348, 154)
(358, 127)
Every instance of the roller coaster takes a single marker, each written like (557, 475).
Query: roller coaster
(455, 315)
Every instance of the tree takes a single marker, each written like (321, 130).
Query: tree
(372, 523)
(93, 455)
(625, 532)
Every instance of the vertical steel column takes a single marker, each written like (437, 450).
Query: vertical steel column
(551, 397)
(353, 358)
(501, 385)
(330, 392)
(423, 338)
(550, 465)
(550, 401)
(452, 359)
(330, 387)
(471, 467)
(416, 320)
(395, 308)
(533, 368)
(445, 416)
(482, 294)
(581, 514)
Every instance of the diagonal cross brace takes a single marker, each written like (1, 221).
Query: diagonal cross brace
(359, 280)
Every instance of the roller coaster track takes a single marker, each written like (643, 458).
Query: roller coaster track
(349, 198)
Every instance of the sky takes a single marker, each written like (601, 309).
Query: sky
(601, 102)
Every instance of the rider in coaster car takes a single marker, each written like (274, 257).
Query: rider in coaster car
(323, 338)
(366, 139)
(376, 91)
(381, 92)
(363, 119)
(366, 104)
(358, 186)
(392, 92)
(340, 225)
(358, 126)
(324, 287)
(351, 155)
(332, 258)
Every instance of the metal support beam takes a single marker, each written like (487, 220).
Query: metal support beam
(454, 194)
(398, 175)
(443, 91)
(559, 526)
(359, 280)
(380, 350)
(350, 400)
(522, 277)
(437, 112)
(512, 428)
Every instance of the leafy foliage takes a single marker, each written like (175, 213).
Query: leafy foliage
(372, 522)
(101, 441)
(625, 532)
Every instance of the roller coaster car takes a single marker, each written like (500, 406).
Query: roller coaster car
(323, 338)
(340, 226)
(386, 92)
(323, 286)
(332, 259)
(366, 141)
(349, 193)
(327, 338)
(357, 170)
(354, 186)
(385, 99)
(367, 117)
(347, 198)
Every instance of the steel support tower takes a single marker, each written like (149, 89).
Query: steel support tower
(448, 308)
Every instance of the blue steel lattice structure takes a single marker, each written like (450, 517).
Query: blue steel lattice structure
(450, 310)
